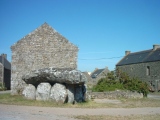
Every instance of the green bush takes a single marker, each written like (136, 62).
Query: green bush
(133, 84)
(107, 84)
(121, 82)
(103, 87)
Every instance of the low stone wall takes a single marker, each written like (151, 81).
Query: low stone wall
(115, 94)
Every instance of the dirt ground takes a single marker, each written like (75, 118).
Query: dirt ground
(13, 112)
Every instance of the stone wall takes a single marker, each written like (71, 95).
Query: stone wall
(42, 48)
(140, 71)
(1, 73)
(115, 95)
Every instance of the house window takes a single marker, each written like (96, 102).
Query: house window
(148, 70)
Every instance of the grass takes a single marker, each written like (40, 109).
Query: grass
(135, 103)
(19, 100)
(124, 103)
(109, 117)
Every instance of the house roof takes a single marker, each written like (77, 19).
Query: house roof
(96, 73)
(5, 63)
(88, 76)
(140, 57)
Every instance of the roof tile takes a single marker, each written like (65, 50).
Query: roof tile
(140, 57)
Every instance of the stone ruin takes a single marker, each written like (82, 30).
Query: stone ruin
(59, 85)
(44, 67)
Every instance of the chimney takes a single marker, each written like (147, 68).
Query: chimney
(127, 52)
(4, 55)
(156, 47)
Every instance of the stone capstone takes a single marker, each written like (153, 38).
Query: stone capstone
(53, 75)
(58, 93)
(29, 92)
(43, 91)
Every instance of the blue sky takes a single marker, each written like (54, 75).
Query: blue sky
(102, 29)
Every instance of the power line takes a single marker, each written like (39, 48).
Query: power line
(94, 52)
(131, 54)
(99, 58)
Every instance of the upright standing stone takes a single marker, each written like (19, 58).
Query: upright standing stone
(79, 94)
(58, 93)
(29, 92)
(43, 91)
(70, 91)
(86, 95)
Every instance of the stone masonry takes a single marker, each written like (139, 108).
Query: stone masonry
(139, 71)
(115, 94)
(1, 73)
(42, 48)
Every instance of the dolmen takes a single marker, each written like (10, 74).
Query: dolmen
(61, 85)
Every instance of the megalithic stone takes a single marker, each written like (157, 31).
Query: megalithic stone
(54, 75)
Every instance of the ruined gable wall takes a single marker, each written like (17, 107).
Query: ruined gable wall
(42, 48)
(1, 73)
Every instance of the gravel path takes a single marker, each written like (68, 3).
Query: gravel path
(13, 112)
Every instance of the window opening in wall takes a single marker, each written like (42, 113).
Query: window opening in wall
(148, 70)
